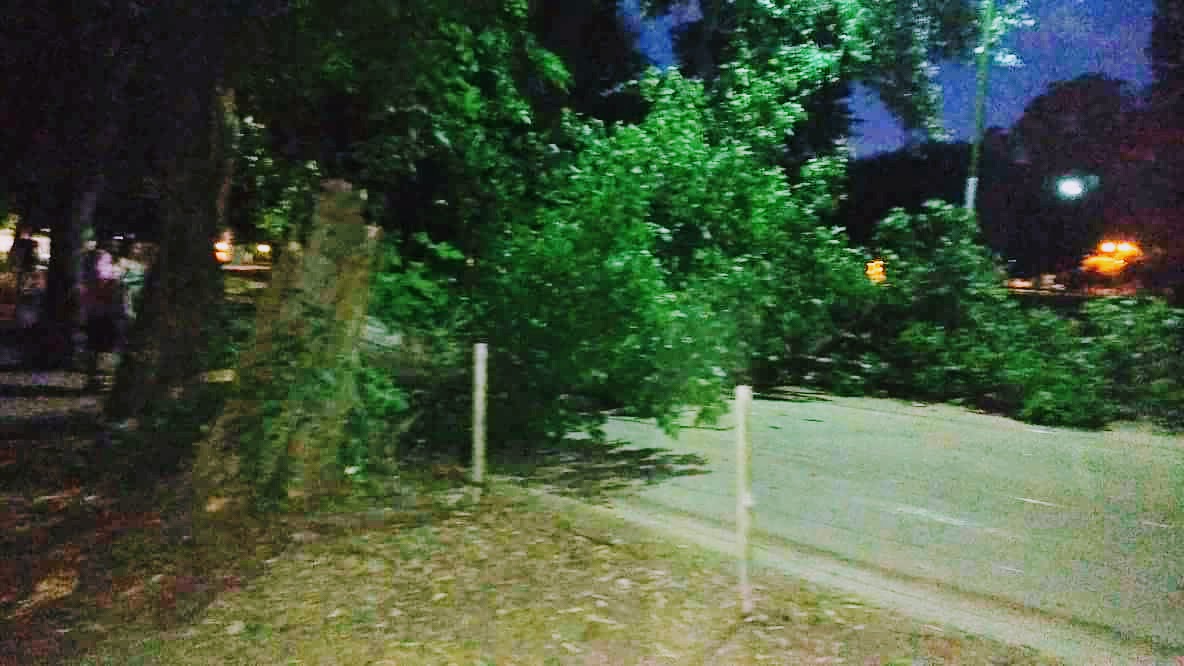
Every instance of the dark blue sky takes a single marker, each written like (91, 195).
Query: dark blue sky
(1071, 38)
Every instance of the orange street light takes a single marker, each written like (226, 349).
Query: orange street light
(875, 271)
(1104, 264)
(1121, 249)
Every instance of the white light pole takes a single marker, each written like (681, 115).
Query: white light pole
(980, 101)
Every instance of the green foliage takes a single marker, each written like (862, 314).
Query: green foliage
(943, 328)
(277, 196)
(582, 305)
(287, 386)
(891, 47)
(1050, 369)
(909, 333)
(650, 266)
(936, 266)
(422, 299)
(282, 386)
(421, 296)
(668, 259)
(1140, 350)
(370, 440)
(420, 103)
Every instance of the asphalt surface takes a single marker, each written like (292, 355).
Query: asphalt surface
(1087, 526)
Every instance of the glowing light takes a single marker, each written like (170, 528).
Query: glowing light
(1070, 187)
(263, 248)
(1106, 265)
(222, 252)
(1120, 249)
(875, 271)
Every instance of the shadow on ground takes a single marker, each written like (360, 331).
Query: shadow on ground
(46, 406)
(595, 469)
(791, 395)
(66, 500)
(41, 428)
(46, 391)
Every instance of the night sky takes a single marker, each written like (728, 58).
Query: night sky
(1071, 38)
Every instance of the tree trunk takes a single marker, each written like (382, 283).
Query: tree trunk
(166, 344)
(704, 65)
(227, 144)
(336, 283)
(77, 162)
(301, 366)
(66, 222)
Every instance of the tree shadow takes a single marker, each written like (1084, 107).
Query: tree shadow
(41, 405)
(792, 395)
(40, 391)
(40, 428)
(595, 469)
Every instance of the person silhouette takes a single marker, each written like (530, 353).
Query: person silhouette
(102, 309)
(22, 257)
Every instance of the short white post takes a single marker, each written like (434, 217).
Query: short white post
(744, 501)
(480, 360)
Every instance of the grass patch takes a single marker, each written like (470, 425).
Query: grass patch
(512, 581)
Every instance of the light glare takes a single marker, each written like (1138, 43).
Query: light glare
(1071, 188)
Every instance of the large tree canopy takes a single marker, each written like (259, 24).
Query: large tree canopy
(1077, 124)
(891, 46)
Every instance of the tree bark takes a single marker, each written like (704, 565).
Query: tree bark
(303, 358)
(74, 161)
(167, 341)
(62, 307)
(165, 345)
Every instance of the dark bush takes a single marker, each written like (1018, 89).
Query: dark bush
(1139, 345)
(943, 328)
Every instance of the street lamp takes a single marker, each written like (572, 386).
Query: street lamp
(980, 101)
(1070, 187)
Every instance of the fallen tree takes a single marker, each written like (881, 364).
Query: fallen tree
(278, 438)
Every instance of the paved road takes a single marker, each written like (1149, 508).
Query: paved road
(1083, 525)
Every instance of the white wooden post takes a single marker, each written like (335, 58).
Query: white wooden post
(744, 501)
(480, 359)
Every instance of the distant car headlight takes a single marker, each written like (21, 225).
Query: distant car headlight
(222, 252)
